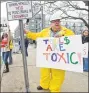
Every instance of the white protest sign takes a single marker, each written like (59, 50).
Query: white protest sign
(85, 50)
(4, 25)
(64, 53)
(19, 10)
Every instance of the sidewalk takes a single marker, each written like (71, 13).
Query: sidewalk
(14, 80)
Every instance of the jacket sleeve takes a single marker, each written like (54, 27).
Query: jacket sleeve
(82, 40)
(34, 35)
(67, 32)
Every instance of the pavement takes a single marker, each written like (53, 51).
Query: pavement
(14, 80)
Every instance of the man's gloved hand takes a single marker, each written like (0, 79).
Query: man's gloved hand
(57, 36)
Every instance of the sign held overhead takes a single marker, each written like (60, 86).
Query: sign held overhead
(4, 24)
(18, 10)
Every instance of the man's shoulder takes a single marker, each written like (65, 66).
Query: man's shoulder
(67, 31)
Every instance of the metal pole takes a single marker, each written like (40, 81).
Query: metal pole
(32, 8)
(36, 25)
(24, 56)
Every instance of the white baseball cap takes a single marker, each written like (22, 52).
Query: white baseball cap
(55, 16)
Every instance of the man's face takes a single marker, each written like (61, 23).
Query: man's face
(55, 24)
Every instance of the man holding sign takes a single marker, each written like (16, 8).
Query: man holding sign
(57, 76)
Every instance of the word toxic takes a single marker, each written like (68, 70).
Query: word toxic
(67, 58)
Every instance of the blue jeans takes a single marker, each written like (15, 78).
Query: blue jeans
(5, 56)
(86, 63)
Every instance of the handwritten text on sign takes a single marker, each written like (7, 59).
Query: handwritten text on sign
(4, 24)
(60, 53)
(19, 10)
(85, 50)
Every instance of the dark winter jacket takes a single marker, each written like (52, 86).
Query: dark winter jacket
(85, 39)
(26, 42)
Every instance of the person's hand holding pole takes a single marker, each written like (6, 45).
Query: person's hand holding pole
(26, 32)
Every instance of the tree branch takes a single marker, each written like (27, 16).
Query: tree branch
(72, 17)
(76, 7)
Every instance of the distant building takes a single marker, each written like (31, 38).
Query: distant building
(75, 25)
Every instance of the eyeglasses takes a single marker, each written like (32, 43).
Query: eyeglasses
(53, 21)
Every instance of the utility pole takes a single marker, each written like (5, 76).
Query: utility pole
(42, 26)
(24, 57)
(32, 8)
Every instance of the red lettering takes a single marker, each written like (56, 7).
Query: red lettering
(84, 51)
(46, 55)
(49, 47)
(19, 8)
(18, 16)
(61, 57)
(79, 56)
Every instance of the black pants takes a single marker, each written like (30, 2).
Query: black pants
(26, 51)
